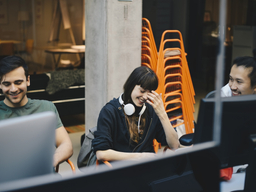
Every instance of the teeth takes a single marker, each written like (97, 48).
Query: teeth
(14, 94)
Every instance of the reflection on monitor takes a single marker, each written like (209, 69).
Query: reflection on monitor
(27, 146)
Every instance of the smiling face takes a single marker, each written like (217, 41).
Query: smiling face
(139, 95)
(240, 82)
(14, 86)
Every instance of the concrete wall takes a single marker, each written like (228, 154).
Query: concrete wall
(113, 50)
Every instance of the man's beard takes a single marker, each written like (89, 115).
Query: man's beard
(11, 101)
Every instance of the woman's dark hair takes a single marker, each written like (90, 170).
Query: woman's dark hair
(147, 79)
(9, 63)
(247, 62)
(142, 76)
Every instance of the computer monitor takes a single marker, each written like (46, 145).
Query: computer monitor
(238, 124)
(169, 172)
(27, 145)
(238, 121)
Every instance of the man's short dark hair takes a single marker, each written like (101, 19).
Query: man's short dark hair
(247, 62)
(9, 63)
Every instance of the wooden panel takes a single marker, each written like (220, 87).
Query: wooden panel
(65, 15)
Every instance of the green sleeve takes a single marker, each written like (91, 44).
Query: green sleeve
(59, 123)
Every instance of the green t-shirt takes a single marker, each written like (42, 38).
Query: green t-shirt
(32, 106)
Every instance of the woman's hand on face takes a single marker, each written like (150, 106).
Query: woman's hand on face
(155, 100)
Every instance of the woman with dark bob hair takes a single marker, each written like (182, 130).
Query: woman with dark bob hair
(127, 125)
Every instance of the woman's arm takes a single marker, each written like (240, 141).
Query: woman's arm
(112, 155)
(157, 103)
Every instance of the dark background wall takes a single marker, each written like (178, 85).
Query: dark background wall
(183, 15)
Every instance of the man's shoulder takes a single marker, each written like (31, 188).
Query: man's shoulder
(2, 105)
(40, 103)
(226, 91)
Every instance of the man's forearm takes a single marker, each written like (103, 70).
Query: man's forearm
(62, 153)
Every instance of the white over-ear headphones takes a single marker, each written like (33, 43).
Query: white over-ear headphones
(129, 109)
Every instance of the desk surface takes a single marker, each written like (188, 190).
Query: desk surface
(10, 41)
(59, 51)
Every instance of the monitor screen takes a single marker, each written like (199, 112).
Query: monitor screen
(27, 146)
(238, 122)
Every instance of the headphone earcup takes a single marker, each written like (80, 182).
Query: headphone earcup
(129, 109)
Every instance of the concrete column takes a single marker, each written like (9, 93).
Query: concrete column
(113, 50)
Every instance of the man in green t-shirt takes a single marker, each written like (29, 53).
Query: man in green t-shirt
(14, 80)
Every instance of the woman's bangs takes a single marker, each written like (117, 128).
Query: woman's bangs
(149, 82)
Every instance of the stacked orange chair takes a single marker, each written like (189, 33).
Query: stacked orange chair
(171, 67)
(148, 46)
(149, 56)
(146, 59)
(175, 82)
